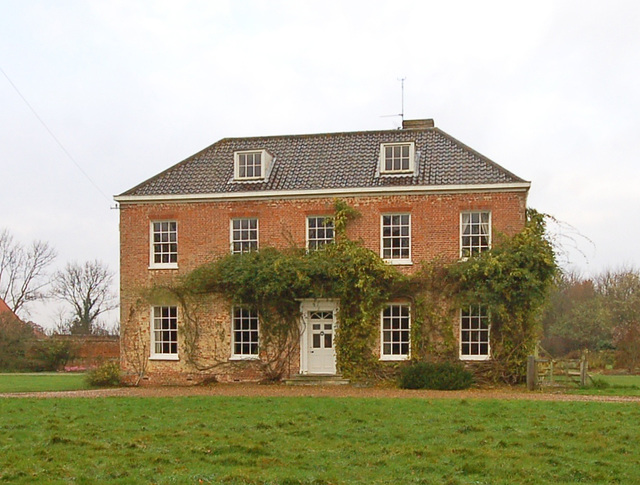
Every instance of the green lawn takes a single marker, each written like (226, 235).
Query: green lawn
(43, 381)
(620, 381)
(611, 385)
(240, 440)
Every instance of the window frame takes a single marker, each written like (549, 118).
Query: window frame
(233, 241)
(237, 160)
(253, 316)
(471, 247)
(392, 260)
(324, 241)
(152, 244)
(154, 355)
(265, 163)
(481, 312)
(403, 331)
(383, 158)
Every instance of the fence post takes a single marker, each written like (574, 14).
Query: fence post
(583, 370)
(532, 376)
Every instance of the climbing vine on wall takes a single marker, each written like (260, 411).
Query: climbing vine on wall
(511, 280)
(273, 281)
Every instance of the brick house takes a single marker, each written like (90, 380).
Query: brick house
(421, 193)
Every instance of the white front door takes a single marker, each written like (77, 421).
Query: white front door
(318, 355)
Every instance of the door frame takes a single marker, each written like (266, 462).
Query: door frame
(310, 305)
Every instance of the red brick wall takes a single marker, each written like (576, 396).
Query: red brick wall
(90, 350)
(203, 233)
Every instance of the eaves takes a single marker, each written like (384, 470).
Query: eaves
(323, 193)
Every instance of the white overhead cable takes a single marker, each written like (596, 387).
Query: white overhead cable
(55, 138)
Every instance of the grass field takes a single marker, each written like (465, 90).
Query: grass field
(621, 381)
(611, 385)
(43, 381)
(236, 440)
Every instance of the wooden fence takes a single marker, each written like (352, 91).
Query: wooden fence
(547, 372)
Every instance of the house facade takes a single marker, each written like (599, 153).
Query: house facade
(421, 194)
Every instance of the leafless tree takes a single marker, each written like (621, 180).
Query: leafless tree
(23, 270)
(88, 289)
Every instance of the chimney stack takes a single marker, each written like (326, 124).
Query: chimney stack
(417, 124)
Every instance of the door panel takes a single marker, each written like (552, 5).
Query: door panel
(320, 334)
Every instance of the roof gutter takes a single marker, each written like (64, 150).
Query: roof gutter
(320, 193)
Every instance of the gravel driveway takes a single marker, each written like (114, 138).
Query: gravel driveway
(277, 390)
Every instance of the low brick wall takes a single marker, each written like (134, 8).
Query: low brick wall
(90, 350)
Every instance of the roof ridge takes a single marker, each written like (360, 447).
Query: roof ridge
(330, 133)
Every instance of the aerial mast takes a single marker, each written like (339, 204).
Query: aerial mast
(401, 114)
(402, 102)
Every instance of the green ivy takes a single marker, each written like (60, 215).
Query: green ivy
(511, 279)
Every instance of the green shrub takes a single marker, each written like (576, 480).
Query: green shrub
(107, 375)
(52, 354)
(15, 339)
(442, 376)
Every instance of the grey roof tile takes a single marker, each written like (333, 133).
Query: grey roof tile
(328, 161)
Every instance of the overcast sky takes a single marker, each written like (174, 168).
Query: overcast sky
(548, 89)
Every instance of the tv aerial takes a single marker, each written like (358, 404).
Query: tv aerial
(401, 114)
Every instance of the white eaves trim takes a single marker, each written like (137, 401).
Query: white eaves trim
(288, 194)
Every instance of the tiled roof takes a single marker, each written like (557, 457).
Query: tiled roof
(326, 162)
(4, 308)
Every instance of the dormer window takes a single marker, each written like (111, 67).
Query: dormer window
(397, 158)
(251, 165)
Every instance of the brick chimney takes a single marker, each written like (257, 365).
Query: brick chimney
(417, 124)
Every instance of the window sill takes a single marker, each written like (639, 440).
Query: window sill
(403, 173)
(399, 262)
(244, 357)
(475, 357)
(164, 266)
(164, 357)
(248, 180)
(394, 358)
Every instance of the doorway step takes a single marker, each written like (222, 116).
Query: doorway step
(316, 380)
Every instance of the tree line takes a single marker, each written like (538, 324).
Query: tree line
(600, 313)
(85, 288)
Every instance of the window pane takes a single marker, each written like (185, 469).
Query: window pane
(165, 334)
(244, 235)
(397, 158)
(164, 246)
(327, 340)
(474, 233)
(320, 232)
(245, 331)
(249, 165)
(396, 336)
(396, 236)
(474, 331)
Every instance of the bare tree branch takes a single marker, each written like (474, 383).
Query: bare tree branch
(23, 270)
(87, 289)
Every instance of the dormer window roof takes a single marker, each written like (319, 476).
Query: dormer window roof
(251, 164)
(397, 158)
